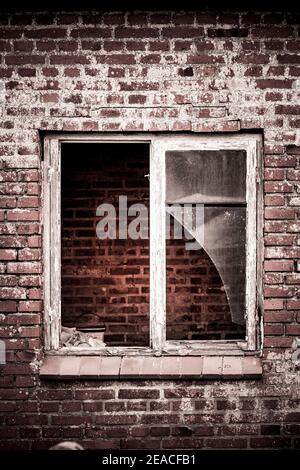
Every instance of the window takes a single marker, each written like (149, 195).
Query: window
(184, 280)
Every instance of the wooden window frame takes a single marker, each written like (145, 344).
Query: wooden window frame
(158, 145)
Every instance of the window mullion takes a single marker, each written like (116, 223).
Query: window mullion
(157, 247)
(251, 261)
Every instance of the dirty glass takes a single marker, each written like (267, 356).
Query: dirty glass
(206, 176)
(214, 265)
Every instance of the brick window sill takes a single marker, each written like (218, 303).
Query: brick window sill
(164, 367)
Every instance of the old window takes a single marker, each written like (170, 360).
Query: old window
(151, 244)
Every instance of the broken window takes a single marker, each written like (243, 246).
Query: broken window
(206, 286)
(150, 243)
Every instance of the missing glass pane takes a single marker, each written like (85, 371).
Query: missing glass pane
(105, 283)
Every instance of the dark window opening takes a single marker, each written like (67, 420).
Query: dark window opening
(105, 283)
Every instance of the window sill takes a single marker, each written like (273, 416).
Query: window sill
(144, 368)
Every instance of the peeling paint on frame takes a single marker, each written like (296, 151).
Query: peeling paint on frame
(159, 144)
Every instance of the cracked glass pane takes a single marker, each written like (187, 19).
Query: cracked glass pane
(206, 286)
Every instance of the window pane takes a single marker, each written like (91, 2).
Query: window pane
(206, 287)
(206, 176)
(206, 280)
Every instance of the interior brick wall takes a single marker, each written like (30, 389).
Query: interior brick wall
(104, 282)
(172, 71)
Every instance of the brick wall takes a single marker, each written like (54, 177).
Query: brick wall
(170, 71)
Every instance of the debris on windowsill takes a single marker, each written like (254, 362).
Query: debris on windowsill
(75, 337)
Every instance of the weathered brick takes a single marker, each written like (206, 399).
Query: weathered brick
(26, 267)
(278, 342)
(8, 255)
(191, 71)
(284, 265)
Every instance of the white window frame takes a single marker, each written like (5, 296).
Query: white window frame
(158, 144)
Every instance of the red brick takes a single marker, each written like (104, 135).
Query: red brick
(25, 319)
(50, 98)
(25, 267)
(116, 420)
(30, 306)
(183, 18)
(26, 72)
(270, 330)
(274, 201)
(288, 59)
(10, 33)
(8, 306)
(50, 71)
(252, 58)
(7, 280)
(279, 240)
(269, 442)
(287, 109)
(271, 304)
(279, 213)
(68, 60)
(274, 174)
(70, 420)
(138, 394)
(116, 59)
(227, 32)
(274, 96)
(272, 31)
(94, 394)
(24, 59)
(12, 293)
(284, 265)
(274, 45)
(8, 202)
(205, 59)
(52, 33)
(278, 342)
(91, 32)
(287, 161)
(293, 175)
(23, 46)
(20, 215)
(130, 33)
(278, 187)
(293, 330)
(232, 443)
(182, 32)
(293, 150)
(293, 304)
(8, 255)
(28, 254)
